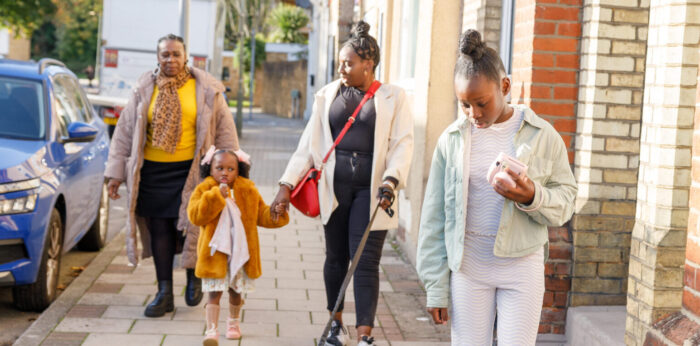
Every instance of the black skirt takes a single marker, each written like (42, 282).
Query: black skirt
(160, 188)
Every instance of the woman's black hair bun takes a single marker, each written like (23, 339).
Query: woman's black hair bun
(361, 30)
(471, 44)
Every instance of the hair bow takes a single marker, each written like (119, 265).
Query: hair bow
(243, 156)
(208, 156)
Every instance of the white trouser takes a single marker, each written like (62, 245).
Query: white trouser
(485, 284)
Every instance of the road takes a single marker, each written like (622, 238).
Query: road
(13, 322)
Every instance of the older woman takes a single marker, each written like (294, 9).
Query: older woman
(373, 156)
(173, 115)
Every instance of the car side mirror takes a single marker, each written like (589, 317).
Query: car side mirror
(80, 132)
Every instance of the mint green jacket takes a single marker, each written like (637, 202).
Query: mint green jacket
(443, 217)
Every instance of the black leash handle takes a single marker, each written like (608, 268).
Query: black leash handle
(351, 271)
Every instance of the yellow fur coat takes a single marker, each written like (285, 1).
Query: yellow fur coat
(206, 204)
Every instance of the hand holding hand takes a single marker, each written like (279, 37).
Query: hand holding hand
(439, 315)
(113, 188)
(281, 203)
(523, 192)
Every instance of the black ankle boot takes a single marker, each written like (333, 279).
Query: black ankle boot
(193, 292)
(163, 302)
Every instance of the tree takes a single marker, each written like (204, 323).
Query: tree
(76, 31)
(288, 20)
(25, 15)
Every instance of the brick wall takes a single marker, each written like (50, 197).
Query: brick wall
(682, 327)
(545, 77)
(613, 50)
(484, 16)
(279, 79)
(662, 216)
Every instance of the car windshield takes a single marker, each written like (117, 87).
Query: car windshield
(21, 109)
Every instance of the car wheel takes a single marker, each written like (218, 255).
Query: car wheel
(96, 236)
(39, 295)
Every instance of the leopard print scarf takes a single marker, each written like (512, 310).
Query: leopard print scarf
(167, 112)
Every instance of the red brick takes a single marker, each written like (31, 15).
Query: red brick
(692, 251)
(570, 2)
(571, 155)
(560, 299)
(559, 329)
(557, 13)
(548, 299)
(549, 268)
(689, 277)
(567, 61)
(542, 60)
(562, 268)
(545, 28)
(653, 340)
(544, 328)
(567, 126)
(569, 29)
(555, 109)
(560, 251)
(553, 315)
(559, 233)
(545, 76)
(691, 302)
(566, 93)
(559, 285)
(555, 44)
(540, 92)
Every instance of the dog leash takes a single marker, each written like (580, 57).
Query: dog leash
(351, 271)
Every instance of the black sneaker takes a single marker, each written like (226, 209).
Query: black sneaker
(338, 335)
(366, 341)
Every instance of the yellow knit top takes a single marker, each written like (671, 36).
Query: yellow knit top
(186, 146)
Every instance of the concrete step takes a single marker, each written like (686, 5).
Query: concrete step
(596, 325)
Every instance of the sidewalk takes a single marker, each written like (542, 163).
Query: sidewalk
(287, 308)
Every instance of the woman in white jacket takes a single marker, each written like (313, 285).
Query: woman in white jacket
(375, 155)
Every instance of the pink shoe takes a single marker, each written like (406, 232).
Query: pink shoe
(233, 328)
(211, 335)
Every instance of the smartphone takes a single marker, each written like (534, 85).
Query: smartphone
(497, 169)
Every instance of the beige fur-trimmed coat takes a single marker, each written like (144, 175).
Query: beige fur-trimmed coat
(215, 126)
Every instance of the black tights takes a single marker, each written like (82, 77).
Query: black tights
(165, 239)
(343, 233)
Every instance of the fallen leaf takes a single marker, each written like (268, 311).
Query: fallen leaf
(61, 287)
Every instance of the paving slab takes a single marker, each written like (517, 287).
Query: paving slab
(169, 327)
(94, 325)
(104, 339)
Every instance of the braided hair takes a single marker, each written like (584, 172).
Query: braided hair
(171, 37)
(364, 45)
(475, 58)
(243, 168)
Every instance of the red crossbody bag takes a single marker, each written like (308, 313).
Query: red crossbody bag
(305, 195)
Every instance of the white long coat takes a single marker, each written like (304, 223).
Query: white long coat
(393, 147)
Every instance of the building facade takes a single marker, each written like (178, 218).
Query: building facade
(618, 79)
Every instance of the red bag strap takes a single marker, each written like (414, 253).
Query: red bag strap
(351, 120)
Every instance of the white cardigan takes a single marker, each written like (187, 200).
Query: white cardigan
(393, 147)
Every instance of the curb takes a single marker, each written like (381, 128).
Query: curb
(47, 321)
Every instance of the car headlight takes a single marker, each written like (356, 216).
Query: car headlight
(20, 185)
(24, 204)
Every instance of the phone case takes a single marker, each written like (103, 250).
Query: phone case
(502, 161)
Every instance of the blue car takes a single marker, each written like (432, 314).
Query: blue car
(53, 151)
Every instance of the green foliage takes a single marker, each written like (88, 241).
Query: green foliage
(287, 21)
(259, 53)
(25, 15)
(44, 41)
(77, 25)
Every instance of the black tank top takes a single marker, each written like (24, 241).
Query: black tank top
(360, 137)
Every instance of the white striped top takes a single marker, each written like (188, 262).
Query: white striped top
(484, 204)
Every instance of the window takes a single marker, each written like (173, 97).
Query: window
(507, 24)
(22, 104)
(72, 105)
(409, 32)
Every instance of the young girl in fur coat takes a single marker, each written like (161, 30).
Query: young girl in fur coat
(228, 208)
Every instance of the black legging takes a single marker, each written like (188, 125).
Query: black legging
(343, 234)
(165, 239)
